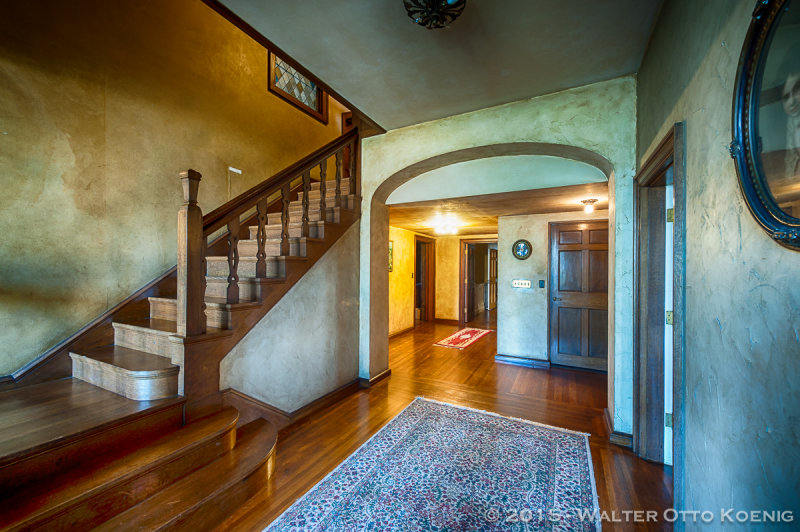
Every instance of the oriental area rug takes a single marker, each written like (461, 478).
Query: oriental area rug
(441, 467)
(463, 338)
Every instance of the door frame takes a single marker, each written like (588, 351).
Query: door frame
(549, 284)
(462, 271)
(670, 151)
(430, 278)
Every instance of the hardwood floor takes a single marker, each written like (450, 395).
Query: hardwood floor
(310, 448)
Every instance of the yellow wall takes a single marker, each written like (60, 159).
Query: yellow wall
(401, 282)
(447, 274)
(101, 105)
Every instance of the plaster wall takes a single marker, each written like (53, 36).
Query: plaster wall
(401, 282)
(522, 312)
(307, 345)
(599, 118)
(742, 424)
(102, 104)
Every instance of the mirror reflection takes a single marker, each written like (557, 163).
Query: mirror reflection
(779, 113)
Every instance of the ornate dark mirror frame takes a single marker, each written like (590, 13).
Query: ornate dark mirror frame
(746, 145)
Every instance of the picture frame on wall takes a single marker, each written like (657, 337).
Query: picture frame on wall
(391, 255)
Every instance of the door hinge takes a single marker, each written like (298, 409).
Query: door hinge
(668, 419)
(669, 317)
(670, 215)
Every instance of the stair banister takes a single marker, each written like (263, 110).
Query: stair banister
(191, 270)
(219, 217)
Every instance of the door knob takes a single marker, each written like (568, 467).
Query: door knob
(556, 299)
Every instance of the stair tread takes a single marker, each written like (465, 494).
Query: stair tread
(255, 443)
(81, 483)
(248, 258)
(51, 414)
(128, 359)
(163, 326)
(215, 301)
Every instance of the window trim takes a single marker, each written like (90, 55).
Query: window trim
(320, 114)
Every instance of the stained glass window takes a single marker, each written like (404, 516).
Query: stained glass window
(287, 82)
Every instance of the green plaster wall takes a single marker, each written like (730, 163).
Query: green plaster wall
(101, 105)
(600, 118)
(742, 291)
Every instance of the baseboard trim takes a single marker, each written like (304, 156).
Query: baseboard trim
(398, 333)
(621, 439)
(366, 383)
(251, 408)
(522, 361)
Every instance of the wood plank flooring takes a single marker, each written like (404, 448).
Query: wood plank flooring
(42, 414)
(310, 448)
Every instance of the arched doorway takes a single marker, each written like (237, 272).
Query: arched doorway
(375, 287)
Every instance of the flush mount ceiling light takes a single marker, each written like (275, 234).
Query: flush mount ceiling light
(588, 204)
(434, 14)
(445, 225)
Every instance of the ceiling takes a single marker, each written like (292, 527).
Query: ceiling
(478, 214)
(498, 51)
(496, 174)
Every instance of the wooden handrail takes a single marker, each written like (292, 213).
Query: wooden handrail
(219, 217)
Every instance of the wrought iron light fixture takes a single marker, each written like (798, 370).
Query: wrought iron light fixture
(588, 205)
(434, 14)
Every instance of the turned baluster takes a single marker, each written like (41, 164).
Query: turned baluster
(285, 191)
(306, 192)
(233, 260)
(191, 311)
(323, 190)
(261, 239)
(353, 153)
(338, 200)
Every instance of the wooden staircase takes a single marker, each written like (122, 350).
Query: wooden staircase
(146, 359)
(172, 457)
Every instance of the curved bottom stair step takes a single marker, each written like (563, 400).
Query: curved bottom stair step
(96, 489)
(207, 496)
(128, 372)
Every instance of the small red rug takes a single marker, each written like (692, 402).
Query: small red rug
(463, 338)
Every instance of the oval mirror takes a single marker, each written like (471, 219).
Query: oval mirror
(766, 121)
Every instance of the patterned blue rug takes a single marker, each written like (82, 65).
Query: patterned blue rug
(441, 467)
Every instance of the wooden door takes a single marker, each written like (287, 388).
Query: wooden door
(469, 283)
(579, 294)
(492, 279)
(419, 281)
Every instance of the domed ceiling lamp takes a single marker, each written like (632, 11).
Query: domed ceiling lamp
(588, 205)
(434, 14)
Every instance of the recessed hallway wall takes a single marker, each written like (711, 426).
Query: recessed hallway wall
(522, 323)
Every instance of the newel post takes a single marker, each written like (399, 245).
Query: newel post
(191, 315)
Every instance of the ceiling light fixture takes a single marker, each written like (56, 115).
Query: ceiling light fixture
(445, 225)
(588, 205)
(434, 14)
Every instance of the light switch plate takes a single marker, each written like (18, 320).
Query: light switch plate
(521, 283)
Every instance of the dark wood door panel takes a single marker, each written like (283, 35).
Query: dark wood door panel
(570, 271)
(578, 306)
(598, 271)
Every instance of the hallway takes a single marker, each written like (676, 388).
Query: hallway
(310, 448)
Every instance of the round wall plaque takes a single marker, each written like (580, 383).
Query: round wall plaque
(521, 249)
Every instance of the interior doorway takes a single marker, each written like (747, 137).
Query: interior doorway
(659, 394)
(478, 283)
(578, 297)
(424, 279)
